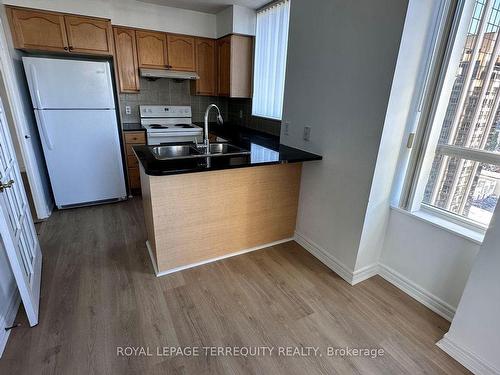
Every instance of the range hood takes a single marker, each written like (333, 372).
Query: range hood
(174, 74)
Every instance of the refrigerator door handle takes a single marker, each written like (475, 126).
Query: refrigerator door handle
(43, 128)
(34, 82)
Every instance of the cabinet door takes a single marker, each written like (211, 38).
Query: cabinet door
(89, 35)
(224, 66)
(37, 30)
(134, 178)
(181, 52)
(152, 49)
(205, 67)
(133, 138)
(126, 59)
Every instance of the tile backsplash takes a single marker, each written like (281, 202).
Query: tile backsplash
(171, 92)
(240, 113)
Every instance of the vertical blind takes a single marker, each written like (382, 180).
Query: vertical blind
(270, 60)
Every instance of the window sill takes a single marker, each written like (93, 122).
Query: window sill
(474, 236)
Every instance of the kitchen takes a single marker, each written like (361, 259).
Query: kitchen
(188, 176)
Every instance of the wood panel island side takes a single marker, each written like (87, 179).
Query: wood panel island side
(195, 218)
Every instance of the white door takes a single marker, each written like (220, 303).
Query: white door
(69, 84)
(16, 226)
(82, 152)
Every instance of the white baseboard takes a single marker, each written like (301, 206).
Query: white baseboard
(426, 298)
(8, 320)
(365, 273)
(467, 358)
(177, 269)
(353, 277)
(326, 258)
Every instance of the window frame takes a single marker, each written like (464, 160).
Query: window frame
(446, 49)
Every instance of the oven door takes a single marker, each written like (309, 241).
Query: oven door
(161, 138)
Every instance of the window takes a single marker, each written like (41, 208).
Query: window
(270, 60)
(463, 173)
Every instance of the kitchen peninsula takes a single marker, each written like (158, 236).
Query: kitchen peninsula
(200, 209)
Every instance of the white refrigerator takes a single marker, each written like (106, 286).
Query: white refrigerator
(75, 112)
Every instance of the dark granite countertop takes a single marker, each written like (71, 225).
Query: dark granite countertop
(265, 150)
(132, 126)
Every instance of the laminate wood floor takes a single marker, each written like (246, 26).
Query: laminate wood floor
(99, 293)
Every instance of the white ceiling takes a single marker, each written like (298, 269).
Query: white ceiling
(208, 6)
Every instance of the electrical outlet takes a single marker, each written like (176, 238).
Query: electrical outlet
(241, 113)
(128, 110)
(307, 133)
(287, 127)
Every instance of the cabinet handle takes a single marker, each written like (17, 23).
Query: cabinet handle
(65, 48)
(71, 48)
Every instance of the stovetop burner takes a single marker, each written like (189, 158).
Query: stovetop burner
(185, 126)
(158, 126)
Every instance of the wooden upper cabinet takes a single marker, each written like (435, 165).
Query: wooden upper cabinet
(235, 66)
(37, 30)
(126, 59)
(152, 49)
(89, 35)
(51, 31)
(205, 67)
(181, 52)
(224, 66)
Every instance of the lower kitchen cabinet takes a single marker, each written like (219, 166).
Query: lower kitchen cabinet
(133, 138)
(134, 178)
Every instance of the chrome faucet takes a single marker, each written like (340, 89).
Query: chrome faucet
(220, 121)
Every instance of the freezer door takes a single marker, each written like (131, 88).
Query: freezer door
(83, 156)
(69, 84)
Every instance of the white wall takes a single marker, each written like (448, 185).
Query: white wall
(225, 22)
(429, 257)
(474, 335)
(244, 20)
(428, 262)
(341, 61)
(411, 66)
(133, 13)
(236, 19)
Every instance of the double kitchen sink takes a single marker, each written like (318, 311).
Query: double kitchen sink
(188, 151)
